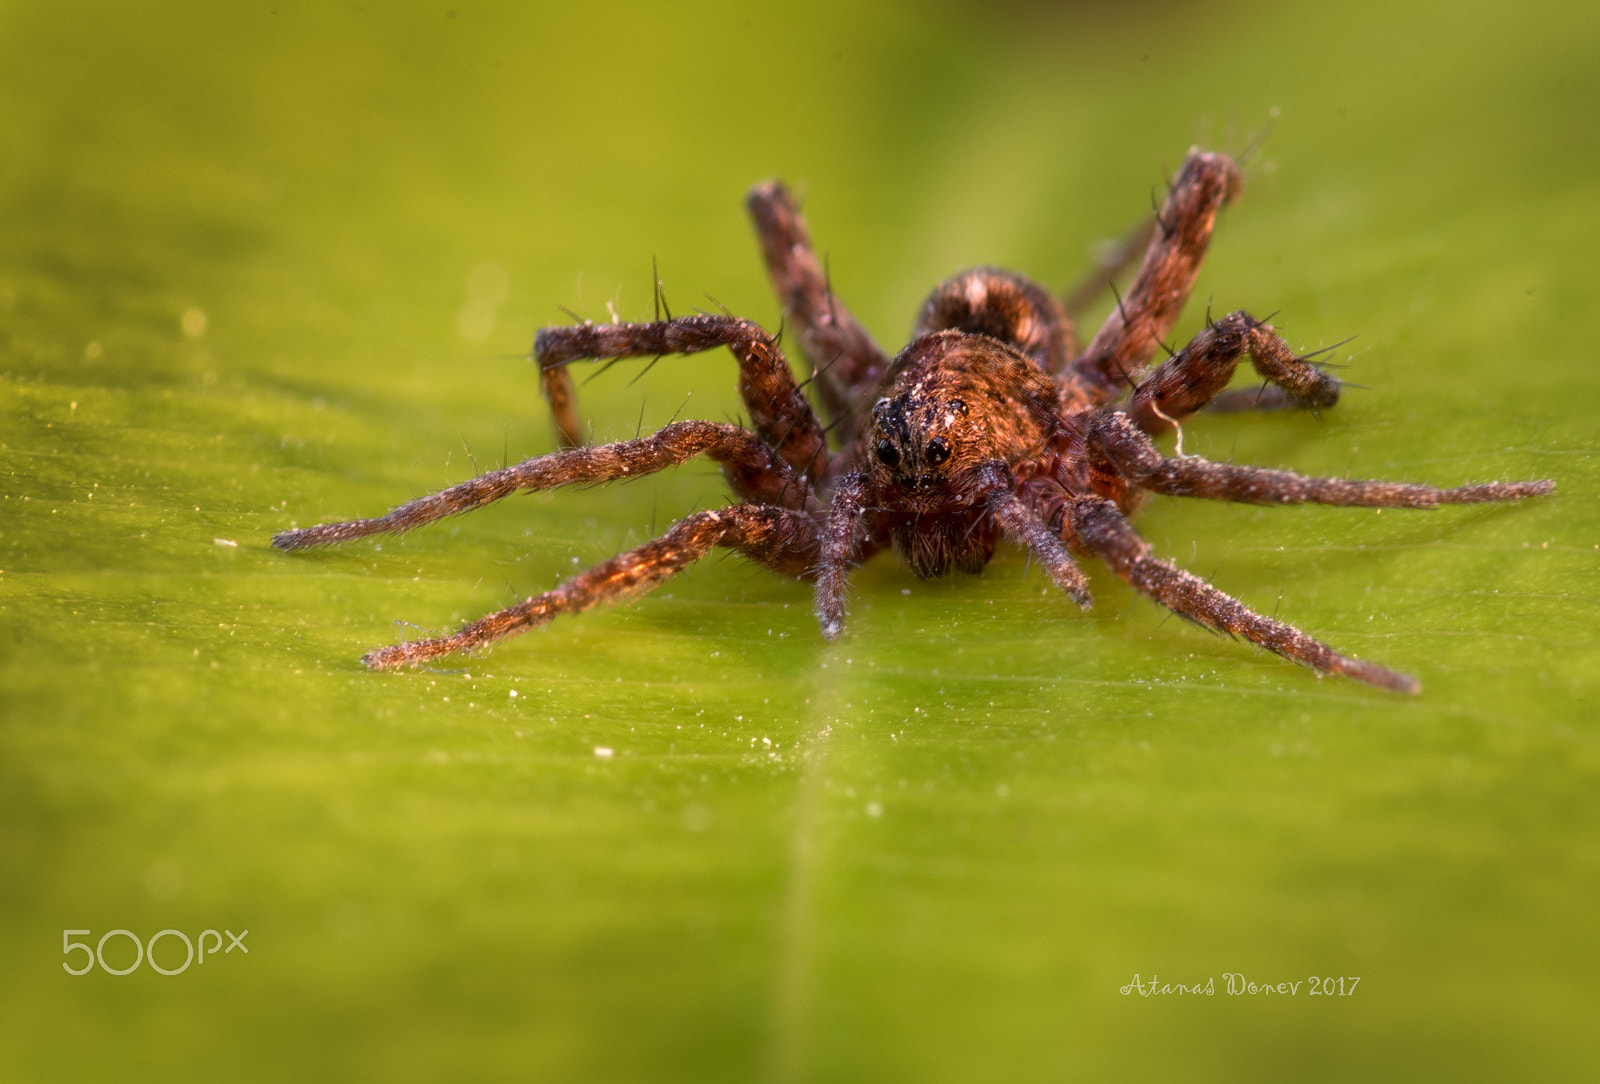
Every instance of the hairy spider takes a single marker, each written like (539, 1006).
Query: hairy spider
(992, 421)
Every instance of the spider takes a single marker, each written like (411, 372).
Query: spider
(992, 422)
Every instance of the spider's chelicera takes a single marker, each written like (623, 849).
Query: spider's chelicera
(992, 422)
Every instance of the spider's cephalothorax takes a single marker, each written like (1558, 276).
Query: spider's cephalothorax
(991, 422)
(959, 410)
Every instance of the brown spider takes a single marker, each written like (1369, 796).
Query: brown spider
(991, 422)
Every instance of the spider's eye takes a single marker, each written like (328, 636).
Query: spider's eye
(936, 452)
(888, 454)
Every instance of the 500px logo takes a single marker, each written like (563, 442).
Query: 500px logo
(145, 952)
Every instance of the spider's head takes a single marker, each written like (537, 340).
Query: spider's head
(956, 403)
(916, 440)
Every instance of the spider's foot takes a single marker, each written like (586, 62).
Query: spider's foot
(413, 654)
(385, 658)
(1079, 592)
(291, 540)
(325, 534)
(1070, 581)
(1380, 676)
(1497, 491)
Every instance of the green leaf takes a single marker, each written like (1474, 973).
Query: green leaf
(275, 265)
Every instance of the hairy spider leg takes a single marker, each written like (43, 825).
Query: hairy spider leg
(783, 540)
(1006, 306)
(779, 412)
(1195, 375)
(1022, 522)
(841, 534)
(1113, 262)
(1268, 397)
(1136, 459)
(1100, 527)
(847, 362)
(753, 470)
(1144, 316)
(556, 383)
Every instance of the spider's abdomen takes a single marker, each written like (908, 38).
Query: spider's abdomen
(1002, 305)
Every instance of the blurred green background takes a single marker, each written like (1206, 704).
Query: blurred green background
(275, 263)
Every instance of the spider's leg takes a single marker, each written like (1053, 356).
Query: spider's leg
(1099, 526)
(563, 399)
(1145, 314)
(1006, 306)
(1020, 519)
(781, 539)
(841, 537)
(1134, 458)
(847, 361)
(754, 472)
(1195, 375)
(1023, 524)
(1112, 263)
(778, 409)
(1257, 400)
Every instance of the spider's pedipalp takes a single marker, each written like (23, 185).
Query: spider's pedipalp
(753, 470)
(1101, 527)
(784, 541)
